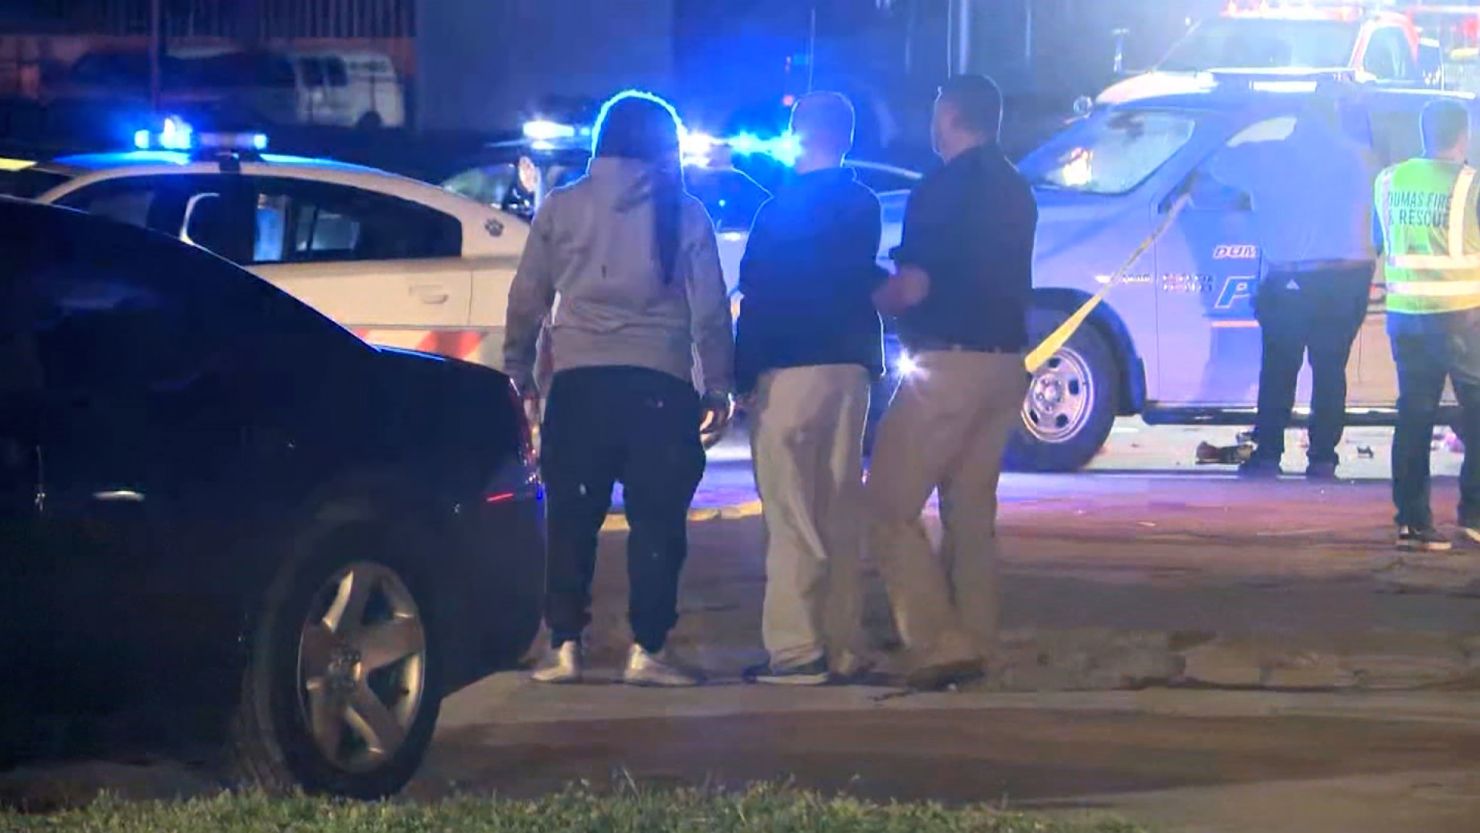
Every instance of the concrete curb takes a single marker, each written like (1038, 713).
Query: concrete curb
(617, 522)
(1045, 660)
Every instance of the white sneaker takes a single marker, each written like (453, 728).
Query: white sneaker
(561, 666)
(656, 670)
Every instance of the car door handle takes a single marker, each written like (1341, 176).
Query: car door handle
(431, 293)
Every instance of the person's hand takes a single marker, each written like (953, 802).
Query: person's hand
(907, 288)
(718, 409)
(529, 400)
(533, 411)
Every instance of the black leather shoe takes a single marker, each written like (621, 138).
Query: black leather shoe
(1323, 470)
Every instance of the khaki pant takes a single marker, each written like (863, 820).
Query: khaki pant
(807, 444)
(946, 429)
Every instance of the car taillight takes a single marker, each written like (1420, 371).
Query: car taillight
(517, 479)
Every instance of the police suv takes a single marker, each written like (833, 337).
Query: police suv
(1176, 340)
(402, 263)
(1383, 46)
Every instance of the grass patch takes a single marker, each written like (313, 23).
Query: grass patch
(768, 809)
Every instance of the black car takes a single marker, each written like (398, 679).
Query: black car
(217, 504)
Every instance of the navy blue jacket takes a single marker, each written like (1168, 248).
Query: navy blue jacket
(808, 276)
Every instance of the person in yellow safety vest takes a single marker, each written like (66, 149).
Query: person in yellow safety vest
(1426, 225)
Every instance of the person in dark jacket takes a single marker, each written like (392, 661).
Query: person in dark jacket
(808, 346)
(961, 294)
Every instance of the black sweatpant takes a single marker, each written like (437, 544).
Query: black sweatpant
(640, 427)
(1318, 313)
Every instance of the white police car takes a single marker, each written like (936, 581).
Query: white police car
(1176, 341)
(400, 262)
(515, 175)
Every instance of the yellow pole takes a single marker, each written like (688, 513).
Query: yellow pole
(1065, 331)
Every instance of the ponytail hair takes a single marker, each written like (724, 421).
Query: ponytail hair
(643, 127)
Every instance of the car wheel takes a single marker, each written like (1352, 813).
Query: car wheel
(341, 694)
(370, 121)
(1071, 401)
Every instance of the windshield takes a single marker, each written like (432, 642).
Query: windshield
(29, 183)
(1110, 155)
(1259, 43)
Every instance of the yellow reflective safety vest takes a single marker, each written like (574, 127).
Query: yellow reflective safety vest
(1431, 236)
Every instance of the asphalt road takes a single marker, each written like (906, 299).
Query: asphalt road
(1183, 648)
(1308, 703)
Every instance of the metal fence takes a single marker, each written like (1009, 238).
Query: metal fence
(233, 19)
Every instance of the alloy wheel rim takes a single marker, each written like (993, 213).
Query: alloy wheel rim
(361, 666)
(1060, 397)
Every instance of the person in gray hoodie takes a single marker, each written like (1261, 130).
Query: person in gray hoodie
(624, 265)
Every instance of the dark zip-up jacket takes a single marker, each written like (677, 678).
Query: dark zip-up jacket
(808, 276)
(970, 225)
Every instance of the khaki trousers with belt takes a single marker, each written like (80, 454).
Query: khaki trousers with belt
(946, 430)
(807, 445)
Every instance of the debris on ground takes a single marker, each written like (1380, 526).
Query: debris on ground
(1225, 455)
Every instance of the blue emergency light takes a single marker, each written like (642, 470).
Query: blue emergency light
(696, 147)
(784, 148)
(544, 134)
(544, 130)
(233, 141)
(176, 134)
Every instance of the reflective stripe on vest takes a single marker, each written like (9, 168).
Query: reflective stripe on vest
(1430, 268)
(1435, 289)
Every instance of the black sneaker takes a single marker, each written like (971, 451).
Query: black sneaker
(1425, 539)
(1322, 470)
(813, 673)
(942, 675)
(1259, 468)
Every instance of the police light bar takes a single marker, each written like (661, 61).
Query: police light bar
(1284, 80)
(700, 149)
(695, 147)
(544, 134)
(253, 142)
(784, 148)
(543, 130)
(174, 134)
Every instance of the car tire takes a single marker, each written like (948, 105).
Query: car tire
(370, 121)
(309, 677)
(1071, 402)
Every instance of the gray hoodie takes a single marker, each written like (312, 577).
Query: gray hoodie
(591, 265)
